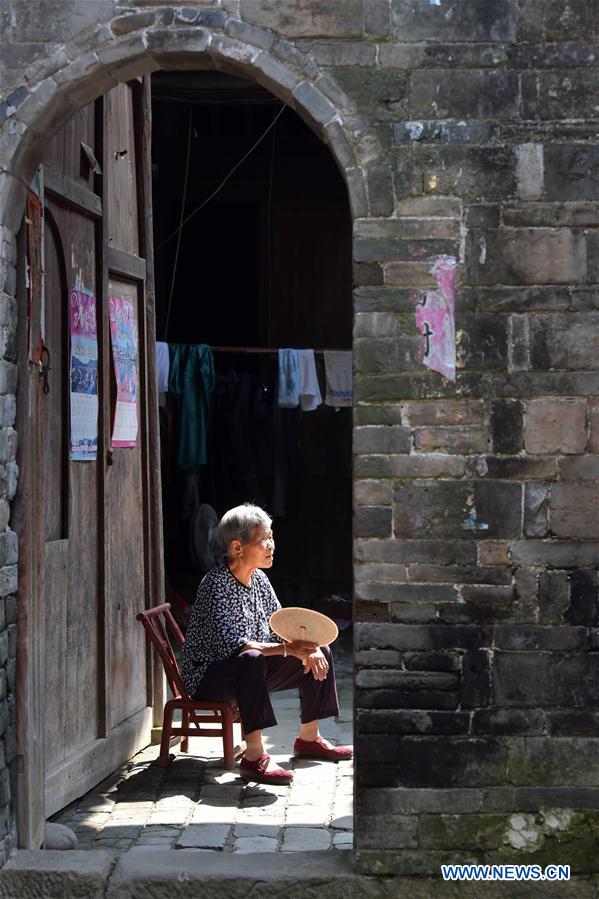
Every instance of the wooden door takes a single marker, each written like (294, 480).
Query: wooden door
(89, 530)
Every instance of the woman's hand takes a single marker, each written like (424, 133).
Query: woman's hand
(302, 650)
(318, 665)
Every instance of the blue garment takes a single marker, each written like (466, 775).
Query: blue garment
(288, 379)
(191, 383)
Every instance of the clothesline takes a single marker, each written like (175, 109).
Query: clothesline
(263, 349)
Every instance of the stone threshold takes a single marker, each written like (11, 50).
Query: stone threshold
(145, 872)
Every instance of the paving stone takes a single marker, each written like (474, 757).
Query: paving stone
(255, 844)
(343, 840)
(204, 836)
(305, 839)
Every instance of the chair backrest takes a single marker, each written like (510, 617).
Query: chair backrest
(157, 623)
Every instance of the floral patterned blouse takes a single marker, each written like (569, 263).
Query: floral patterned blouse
(226, 615)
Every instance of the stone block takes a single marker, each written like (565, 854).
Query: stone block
(556, 91)
(341, 53)
(412, 551)
(475, 682)
(377, 414)
(468, 832)
(381, 439)
(316, 19)
(481, 342)
(388, 832)
(407, 801)
(574, 510)
(372, 521)
(467, 94)
(415, 637)
(554, 553)
(450, 412)
(397, 354)
(536, 509)
(567, 723)
(579, 468)
(541, 679)
(473, 20)
(367, 275)
(554, 596)
(358, 199)
(380, 190)
(467, 173)
(507, 426)
(503, 722)
(572, 171)
(564, 341)
(412, 721)
(431, 572)
(376, 572)
(551, 761)
(555, 425)
(444, 509)
(401, 593)
(381, 91)
(461, 440)
(527, 256)
(273, 74)
(583, 608)
(530, 171)
(366, 493)
(540, 638)
(451, 761)
(337, 141)
(428, 465)
(376, 18)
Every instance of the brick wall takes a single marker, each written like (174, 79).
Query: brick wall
(466, 131)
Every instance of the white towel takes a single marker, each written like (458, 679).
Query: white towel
(162, 366)
(310, 396)
(338, 370)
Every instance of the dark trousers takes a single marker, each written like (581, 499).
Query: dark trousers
(250, 677)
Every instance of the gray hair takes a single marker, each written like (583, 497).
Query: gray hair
(238, 524)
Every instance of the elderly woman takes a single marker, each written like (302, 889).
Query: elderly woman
(230, 653)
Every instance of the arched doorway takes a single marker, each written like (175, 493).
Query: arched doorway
(321, 114)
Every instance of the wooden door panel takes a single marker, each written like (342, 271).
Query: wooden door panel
(56, 580)
(125, 576)
(121, 170)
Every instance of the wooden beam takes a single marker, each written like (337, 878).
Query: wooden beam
(72, 192)
(125, 264)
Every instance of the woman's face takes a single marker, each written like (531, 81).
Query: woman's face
(259, 552)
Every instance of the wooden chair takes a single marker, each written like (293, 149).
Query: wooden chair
(157, 623)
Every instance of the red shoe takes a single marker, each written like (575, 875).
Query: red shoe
(317, 749)
(257, 772)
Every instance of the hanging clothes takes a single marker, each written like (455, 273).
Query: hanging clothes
(288, 379)
(162, 366)
(338, 372)
(191, 383)
(309, 390)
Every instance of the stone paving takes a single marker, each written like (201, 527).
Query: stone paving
(195, 803)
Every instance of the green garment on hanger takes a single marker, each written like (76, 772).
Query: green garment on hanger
(191, 382)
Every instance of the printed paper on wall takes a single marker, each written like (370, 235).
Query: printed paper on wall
(123, 334)
(84, 375)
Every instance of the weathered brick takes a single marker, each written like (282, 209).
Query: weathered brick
(320, 20)
(564, 341)
(540, 679)
(491, 509)
(527, 256)
(412, 721)
(416, 637)
(508, 721)
(449, 761)
(412, 551)
(429, 465)
(554, 553)
(474, 20)
(469, 832)
(381, 439)
(536, 509)
(460, 440)
(507, 426)
(469, 94)
(555, 425)
(468, 173)
(392, 832)
(481, 341)
(371, 521)
(574, 510)
(398, 354)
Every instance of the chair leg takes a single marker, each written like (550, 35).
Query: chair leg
(227, 727)
(185, 726)
(165, 742)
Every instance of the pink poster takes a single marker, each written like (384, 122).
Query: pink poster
(123, 333)
(84, 375)
(435, 319)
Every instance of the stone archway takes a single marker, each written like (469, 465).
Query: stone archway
(37, 107)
